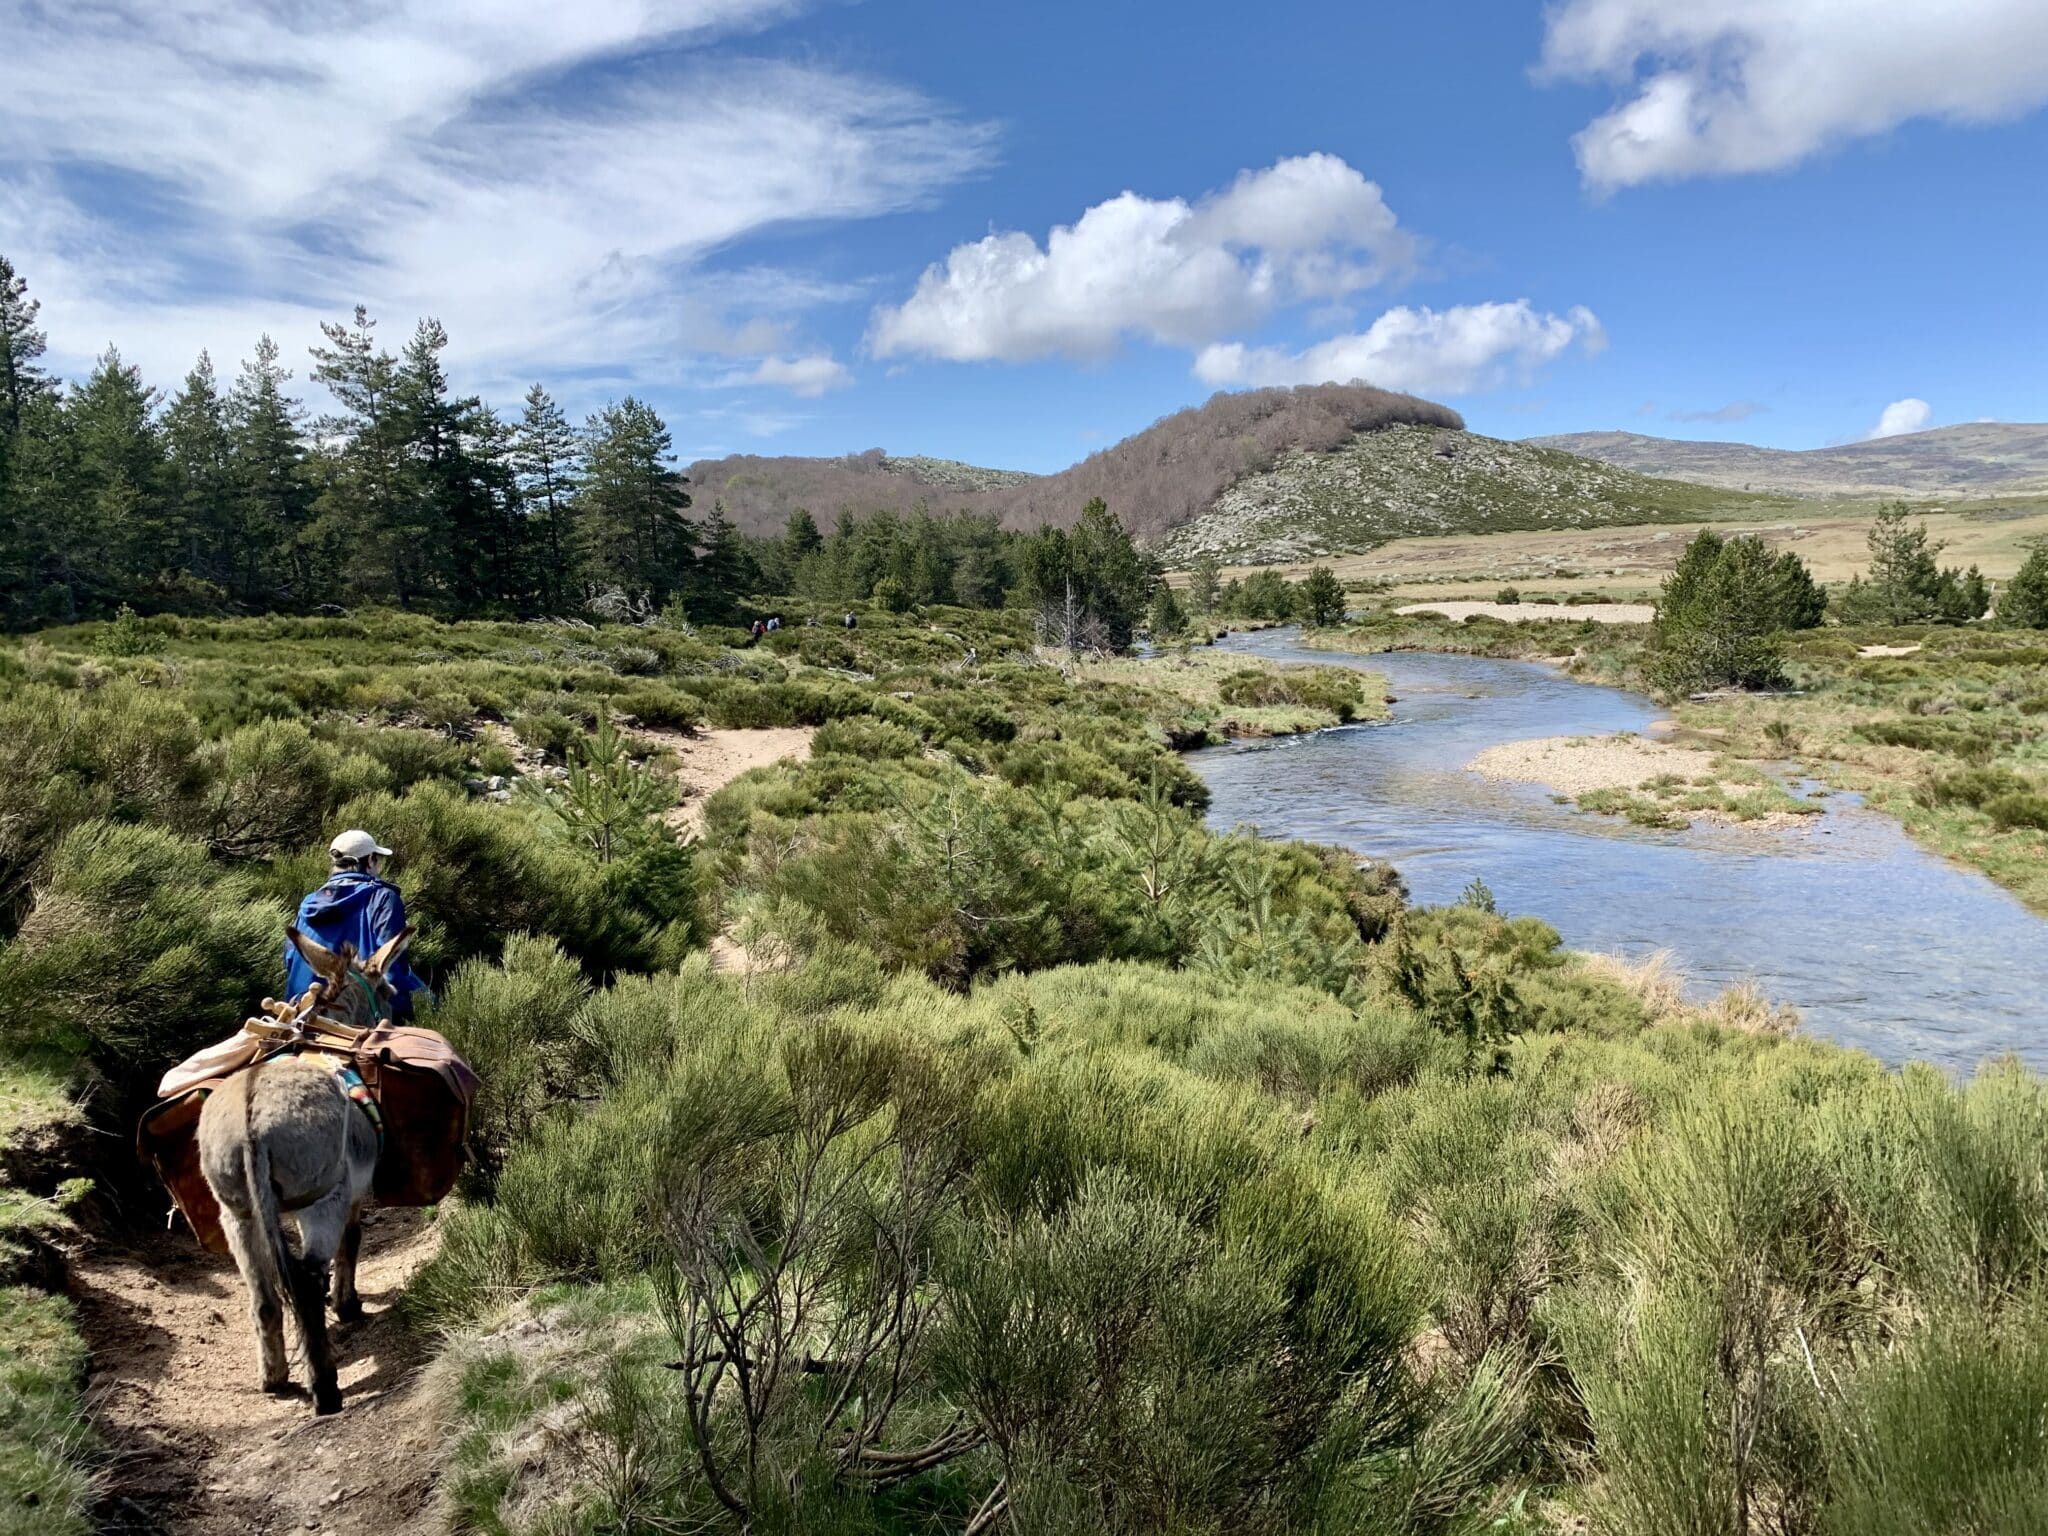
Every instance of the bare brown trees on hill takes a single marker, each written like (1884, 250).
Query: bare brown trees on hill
(1155, 480)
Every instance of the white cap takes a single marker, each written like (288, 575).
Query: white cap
(357, 844)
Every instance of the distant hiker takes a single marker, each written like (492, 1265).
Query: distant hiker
(774, 623)
(849, 621)
(759, 629)
(356, 906)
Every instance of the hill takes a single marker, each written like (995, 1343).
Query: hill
(1406, 481)
(1158, 479)
(1979, 459)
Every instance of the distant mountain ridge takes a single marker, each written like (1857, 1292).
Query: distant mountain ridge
(1977, 459)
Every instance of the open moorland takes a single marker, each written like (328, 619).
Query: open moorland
(1628, 562)
(1104, 1173)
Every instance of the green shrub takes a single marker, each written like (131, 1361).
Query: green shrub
(1944, 1435)
(512, 1022)
(2022, 809)
(136, 952)
(119, 753)
(870, 739)
(273, 786)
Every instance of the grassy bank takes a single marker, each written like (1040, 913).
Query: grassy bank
(46, 1445)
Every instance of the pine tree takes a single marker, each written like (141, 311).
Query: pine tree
(1719, 617)
(273, 497)
(133, 539)
(21, 343)
(2024, 602)
(200, 479)
(444, 507)
(801, 537)
(362, 505)
(24, 388)
(633, 502)
(1169, 618)
(725, 572)
(40, 530)
(547, 459)
(1904, 584)
(1205, 585)
(1322, 598)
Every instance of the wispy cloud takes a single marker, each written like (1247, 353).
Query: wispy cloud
(1724, 86)
(808, 377)
(1734, 410)
(557, 183)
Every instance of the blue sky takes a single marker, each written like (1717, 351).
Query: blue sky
(1015, 234)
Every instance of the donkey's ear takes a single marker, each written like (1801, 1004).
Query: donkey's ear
(389, 951)
(325, 962)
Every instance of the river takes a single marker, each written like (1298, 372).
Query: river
(1878, 943)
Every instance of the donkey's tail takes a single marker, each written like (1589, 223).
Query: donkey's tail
(268, 1254)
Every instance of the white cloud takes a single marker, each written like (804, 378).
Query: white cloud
(808, 377)
(1423, 351)
(1754, 85)
(192, 175)
(1167, 270)
(1901, 417)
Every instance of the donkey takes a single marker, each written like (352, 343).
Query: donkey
(284, 1137)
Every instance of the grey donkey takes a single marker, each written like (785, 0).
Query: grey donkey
(283, 1138)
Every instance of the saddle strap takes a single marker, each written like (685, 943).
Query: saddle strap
(359, 1094)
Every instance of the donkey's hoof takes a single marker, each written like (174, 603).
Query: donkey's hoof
(326, 1400)
(350, 1311)
(282, 1387)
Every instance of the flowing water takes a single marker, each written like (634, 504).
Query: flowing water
(1879, 943)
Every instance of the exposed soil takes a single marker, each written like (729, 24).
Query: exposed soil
(199, 1450)
(707, 761)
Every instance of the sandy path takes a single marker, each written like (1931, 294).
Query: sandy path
(707, 761)
(199, 1450)
(1524, 613)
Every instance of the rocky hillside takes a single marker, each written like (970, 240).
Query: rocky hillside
(1421, 480)
(1979, 459)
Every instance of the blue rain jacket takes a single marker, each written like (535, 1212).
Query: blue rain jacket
(352, 908)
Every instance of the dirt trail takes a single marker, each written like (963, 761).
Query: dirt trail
(707, 761)
(199, 1450)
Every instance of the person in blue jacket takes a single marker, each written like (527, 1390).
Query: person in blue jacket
(356, 906)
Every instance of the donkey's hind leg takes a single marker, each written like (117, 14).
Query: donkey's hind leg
(266, 1306)
(348, 1306)
(321, 1225)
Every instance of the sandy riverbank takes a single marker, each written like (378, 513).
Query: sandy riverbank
(1578, 765)
(1653, 783)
